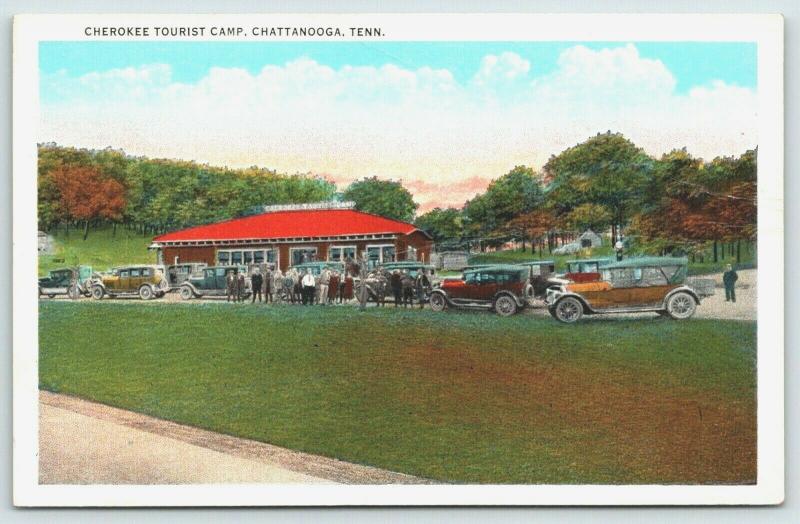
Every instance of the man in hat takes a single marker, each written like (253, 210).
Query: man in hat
(729, 279)
(256, 281)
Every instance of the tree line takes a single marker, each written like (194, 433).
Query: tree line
(89, 188)
(675, 203)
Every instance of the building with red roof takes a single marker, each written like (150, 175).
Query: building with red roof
(288, 235)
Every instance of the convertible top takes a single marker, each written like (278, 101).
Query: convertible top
(647, 262)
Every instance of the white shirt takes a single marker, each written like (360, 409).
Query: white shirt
(308, 279)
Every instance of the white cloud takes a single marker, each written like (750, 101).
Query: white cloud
(414, 125)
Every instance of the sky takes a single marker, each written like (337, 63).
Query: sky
(443, 118)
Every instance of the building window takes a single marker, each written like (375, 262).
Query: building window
(299, 255)
(411, 253)
(341, 253)
(380, 254)
(236, 257)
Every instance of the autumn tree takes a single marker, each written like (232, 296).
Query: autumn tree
(86, 195)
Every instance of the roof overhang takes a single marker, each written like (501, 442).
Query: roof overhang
(261, 241)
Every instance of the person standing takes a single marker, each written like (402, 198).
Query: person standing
(308, 288)
(267, 285)
(422, 283)
(729, 279)
(256, 281)
(277, 284)
(230, 286)
(619, 247)
(324, 281)
(396, 283)
(333, 290)
(240, 287)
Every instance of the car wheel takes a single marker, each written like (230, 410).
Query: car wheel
(568, 310)
(505, 306)
(145, 292)
(97, 292)
(186, 293)
(438, 302)
(52, 295)
(681, 306)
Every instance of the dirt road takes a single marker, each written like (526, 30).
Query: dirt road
(83, 442)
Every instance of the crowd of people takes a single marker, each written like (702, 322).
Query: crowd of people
(328, 287)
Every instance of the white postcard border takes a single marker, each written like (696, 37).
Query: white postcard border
(766, 30)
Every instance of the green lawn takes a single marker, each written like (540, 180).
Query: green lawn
(458, 397)
(101, 250)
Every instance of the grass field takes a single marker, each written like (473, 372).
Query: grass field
(101, 249)
(457, 397)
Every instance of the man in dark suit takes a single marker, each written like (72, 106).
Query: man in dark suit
(256, 281)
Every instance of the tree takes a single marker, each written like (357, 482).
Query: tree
(86, 195)
(534, 226)
(607, 169)
(441, 224)
(589, 216)
(382, 197)
(517, 192)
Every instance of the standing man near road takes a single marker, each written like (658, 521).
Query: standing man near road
(240, 287)
(729, 278)
(230, 286)
(396, 283)
(619, 247)
(422, 283)
(324, 281)
(307, 283)
(268, 286)
(256, 281)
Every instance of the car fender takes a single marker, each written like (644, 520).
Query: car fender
(520, 303)
(586, 307)
(191, 286)
(443, 293)
(684, 289)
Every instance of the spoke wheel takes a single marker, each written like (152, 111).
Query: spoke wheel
(438, 302)
(145, 293)
(97, 292)
(505, 306)
(568, 310)
(681, 306)
(186, 293)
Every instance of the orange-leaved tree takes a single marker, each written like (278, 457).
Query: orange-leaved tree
(86, 194)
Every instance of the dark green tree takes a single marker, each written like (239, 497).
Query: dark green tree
(442, 224)
(382, 197)
(607, 169)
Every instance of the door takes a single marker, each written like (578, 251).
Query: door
(136, 279)
(218, 279)
(651, 287)
(123, 282)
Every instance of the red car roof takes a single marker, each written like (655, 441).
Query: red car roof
(291, 224)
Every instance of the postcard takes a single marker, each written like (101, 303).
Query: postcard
(463, 259)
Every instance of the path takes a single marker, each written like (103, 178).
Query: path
(82, 442)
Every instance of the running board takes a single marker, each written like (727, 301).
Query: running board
(649, 309)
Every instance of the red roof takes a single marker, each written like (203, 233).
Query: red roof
(292, 224)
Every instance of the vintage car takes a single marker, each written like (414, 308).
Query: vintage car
(72, 281)
(586, 269)
(411, 266)
(541, 275)
(144, 281)
(212, 281)
(635, 285)
(316, 267)
(500, 288)
(177, 274)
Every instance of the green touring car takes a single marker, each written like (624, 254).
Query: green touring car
(212, 282)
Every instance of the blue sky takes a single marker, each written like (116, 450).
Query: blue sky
(444, 118)
(692, 63)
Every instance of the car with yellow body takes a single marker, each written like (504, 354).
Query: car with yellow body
(635, 285)
(145, 281)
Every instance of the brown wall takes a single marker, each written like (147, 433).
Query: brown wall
(207, 254)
